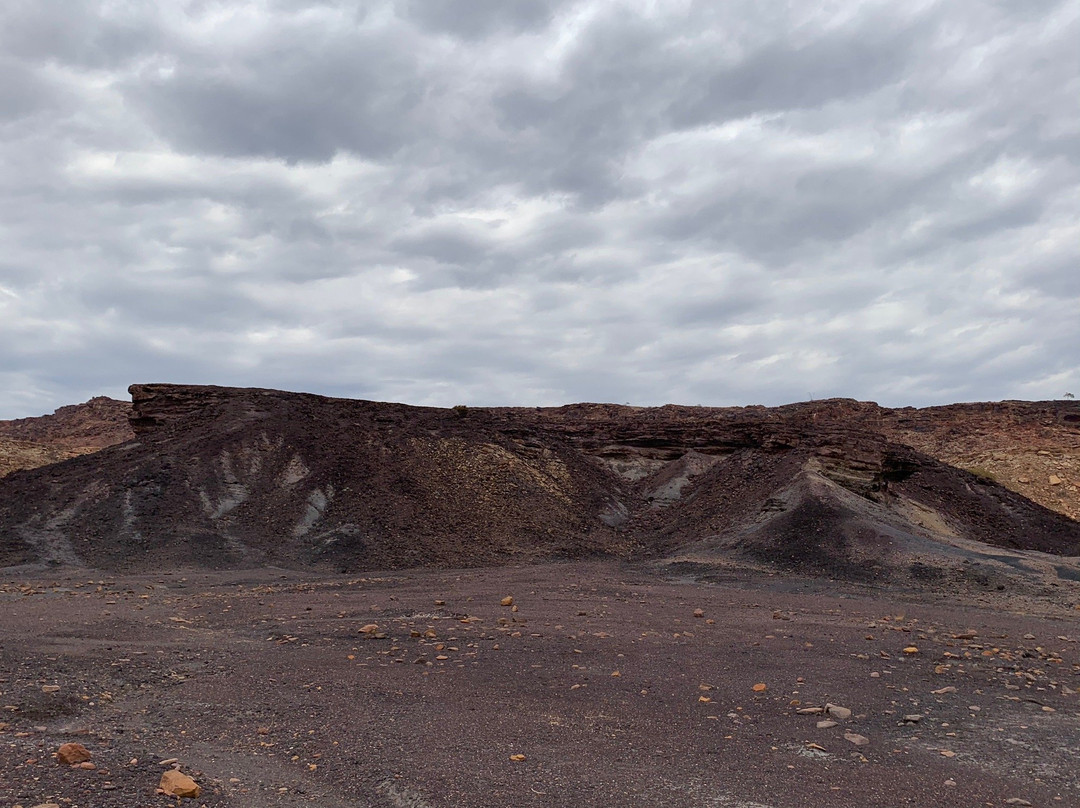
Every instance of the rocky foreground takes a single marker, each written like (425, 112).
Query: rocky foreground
(585, 684)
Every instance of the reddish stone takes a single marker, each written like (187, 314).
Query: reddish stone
(69, 754)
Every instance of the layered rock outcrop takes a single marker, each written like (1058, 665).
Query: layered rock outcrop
(225, 476)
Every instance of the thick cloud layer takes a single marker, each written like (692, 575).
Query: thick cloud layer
(480, 201)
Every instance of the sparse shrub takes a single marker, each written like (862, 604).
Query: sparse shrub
(460, 410)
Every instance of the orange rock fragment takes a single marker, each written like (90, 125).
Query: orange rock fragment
(177, 784)
(71, 754)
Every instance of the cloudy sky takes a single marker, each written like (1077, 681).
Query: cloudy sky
(541, 201)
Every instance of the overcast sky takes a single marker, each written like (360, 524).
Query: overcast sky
(541, 202)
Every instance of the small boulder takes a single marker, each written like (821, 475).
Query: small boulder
(177, 784)
(836, 711)
(71, 754)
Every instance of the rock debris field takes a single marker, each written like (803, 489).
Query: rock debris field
(562, 684)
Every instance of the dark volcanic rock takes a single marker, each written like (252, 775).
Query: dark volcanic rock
(224, 476)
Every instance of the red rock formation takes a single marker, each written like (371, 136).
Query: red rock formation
(70, 431)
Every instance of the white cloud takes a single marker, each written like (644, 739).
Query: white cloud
(476, 202)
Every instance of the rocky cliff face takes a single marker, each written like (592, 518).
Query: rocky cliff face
(69, 432)
(224, 476)
(1032, 448)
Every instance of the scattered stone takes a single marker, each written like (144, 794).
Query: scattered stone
(699, 612)
(50, 688)
(855, 738)
(760, 687)
(1016, 801)
(826, 724)
(507, 601)
(810, 710)
(168, 761)
(370, 628)
(836, 711)
(1029, 636)
(948, 753)
(911, 649)
(1054, 480)
(941, 691)
(86, 764)
(71, 754)
(950, 783)
(177, 784)
(912, 719)
(517, 758)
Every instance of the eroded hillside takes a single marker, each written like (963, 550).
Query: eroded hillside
(226, 476)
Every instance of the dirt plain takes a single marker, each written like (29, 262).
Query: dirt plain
(264, 688)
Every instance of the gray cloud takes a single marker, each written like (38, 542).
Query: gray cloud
(476, 19)
(451, 202)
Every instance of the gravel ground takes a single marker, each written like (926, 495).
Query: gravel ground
(606, 685)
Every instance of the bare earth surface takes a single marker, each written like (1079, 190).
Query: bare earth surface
(264, 688)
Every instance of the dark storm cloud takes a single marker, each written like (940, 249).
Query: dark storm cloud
(443, 201)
